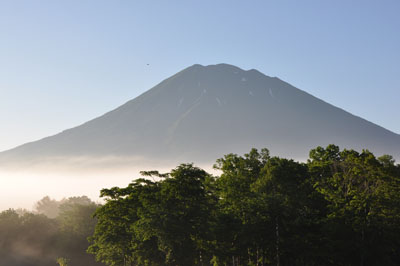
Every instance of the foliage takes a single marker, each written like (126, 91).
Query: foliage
(48, 207)
(339, 208)
(32, 239)
(155, 223)
(62, 261)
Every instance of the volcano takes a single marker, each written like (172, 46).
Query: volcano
(204, 112)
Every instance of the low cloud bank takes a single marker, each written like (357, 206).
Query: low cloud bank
(63, 177)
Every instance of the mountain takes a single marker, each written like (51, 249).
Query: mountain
(204, 112)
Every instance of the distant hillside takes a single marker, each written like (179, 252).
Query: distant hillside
(204, 112)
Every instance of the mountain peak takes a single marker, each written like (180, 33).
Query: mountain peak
(221, 66)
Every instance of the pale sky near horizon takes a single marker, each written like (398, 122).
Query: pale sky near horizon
(63, 63)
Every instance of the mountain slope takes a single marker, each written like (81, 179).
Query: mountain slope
(203, 112)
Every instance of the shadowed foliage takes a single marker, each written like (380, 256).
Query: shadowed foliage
(339, 208)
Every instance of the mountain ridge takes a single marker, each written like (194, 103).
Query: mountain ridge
(203, 112)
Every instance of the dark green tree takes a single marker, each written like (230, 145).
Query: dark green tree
(238, 228)
(362, 193)
(156, 223)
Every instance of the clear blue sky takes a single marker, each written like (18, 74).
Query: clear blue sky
(65, 62)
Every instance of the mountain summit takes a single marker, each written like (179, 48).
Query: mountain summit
(204, 112)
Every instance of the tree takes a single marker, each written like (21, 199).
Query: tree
(362, 193)
(48, 207)
(238, 228)
(284, 205)
(153, 223)
(76, 216)
(75, 224)
(180, 218)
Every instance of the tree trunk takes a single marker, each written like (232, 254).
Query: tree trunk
(362, 253)
(277, 242)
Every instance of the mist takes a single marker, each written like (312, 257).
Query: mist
(65, 177)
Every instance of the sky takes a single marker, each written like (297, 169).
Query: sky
(63, 63)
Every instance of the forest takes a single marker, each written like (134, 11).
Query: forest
(54, 231)
(341, 207)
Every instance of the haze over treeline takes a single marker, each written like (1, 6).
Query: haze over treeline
(55, 229)
(341, 207)
(20, 189)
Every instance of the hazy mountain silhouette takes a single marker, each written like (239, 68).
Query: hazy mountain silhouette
(203, 112)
